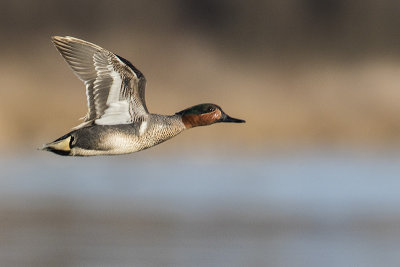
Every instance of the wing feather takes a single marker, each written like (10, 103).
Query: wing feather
(114, 87)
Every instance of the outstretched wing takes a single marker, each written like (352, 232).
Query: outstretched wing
(115, 89)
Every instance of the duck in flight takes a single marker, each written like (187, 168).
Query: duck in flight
(118, 121)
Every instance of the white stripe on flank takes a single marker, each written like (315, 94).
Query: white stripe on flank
(143, 128)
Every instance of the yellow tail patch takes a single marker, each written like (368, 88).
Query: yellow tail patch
(62, 145)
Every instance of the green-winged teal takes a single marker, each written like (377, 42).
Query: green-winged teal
(118, 121)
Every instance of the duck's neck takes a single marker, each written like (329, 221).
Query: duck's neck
(160, 128)
(191, 120)
(194, 120)
(168, 121)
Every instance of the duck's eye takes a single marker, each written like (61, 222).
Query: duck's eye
(210, 109)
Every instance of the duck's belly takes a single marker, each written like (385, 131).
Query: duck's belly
(120, 139)
(111, 144)
(114, 142)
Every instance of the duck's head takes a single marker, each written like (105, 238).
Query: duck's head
(205, 114)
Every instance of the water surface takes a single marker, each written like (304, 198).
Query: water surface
(297, 209)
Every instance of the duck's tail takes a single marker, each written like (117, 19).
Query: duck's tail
(61, 146)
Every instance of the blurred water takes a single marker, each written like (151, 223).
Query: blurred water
(314, 208)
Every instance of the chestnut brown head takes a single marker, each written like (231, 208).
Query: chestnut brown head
(205, 114)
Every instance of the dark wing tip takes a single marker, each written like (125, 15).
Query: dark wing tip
(57, 39)
(138, 73)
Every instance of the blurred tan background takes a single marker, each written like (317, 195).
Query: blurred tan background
(312, 178)
(300, 72)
